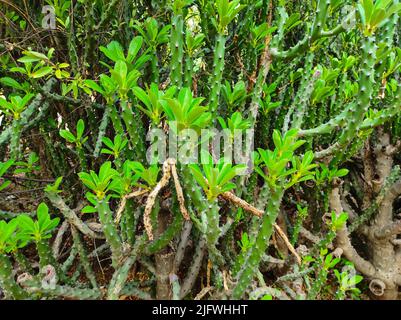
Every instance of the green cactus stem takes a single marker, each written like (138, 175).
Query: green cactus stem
(116, 120)
(256, 253)
(210, 222)
(177, 48)
(366, 82)
(110, 231)
(7, 282)
(15, 147)
(121, 274)
(23, 262)
(133, 123)
(218, 68)
(46, 257)
(102, 132)
(58, 291)
(188, 74)
(70, 260)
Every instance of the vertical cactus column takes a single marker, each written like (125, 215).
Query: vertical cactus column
(366, 80)
(213, 231)
(227, 11)
(110, 231)
(135, 130)
(218, 68)
(177, 43)
(256, 253)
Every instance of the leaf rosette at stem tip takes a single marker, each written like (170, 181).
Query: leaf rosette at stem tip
(115, 147)
(41, 228)
(216, 178)
(78, 140)
(152, 101)
(227, 11)
(186, 112)
(281, 167)
(124, 78)
(151, 34)
(115, 52)
(100, 183)
(15, 106)
(374, 14)
(234, 124)
(107, 87)
(147, 175)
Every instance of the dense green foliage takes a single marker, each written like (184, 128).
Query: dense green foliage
(82, 209)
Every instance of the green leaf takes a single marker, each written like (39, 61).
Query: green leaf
(80, 129)
(41, 72)
(67, 135)
(342, 172)
(7, 81)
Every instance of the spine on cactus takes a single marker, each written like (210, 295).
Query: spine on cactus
(46, 256)
(213, 231)
(134, 127)
(23, 262)
(121, 274)
(252, 260)
(102, 131)
(131, 216)
(177, 46)
(188, 72)
(7, 282)
(110, 231)
(116, 120)
(218, 68)
(304, 92)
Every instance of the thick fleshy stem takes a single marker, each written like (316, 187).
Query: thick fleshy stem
(110, 231)
(116, 120)
(366, 82)
(34, 286)
(177, 49)
(256, 253)
(188, 71)
(121, 274)
(46, 257)
(23, 262)
(134, 127)
(7, 282)
(218, 68)
(102, 132)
